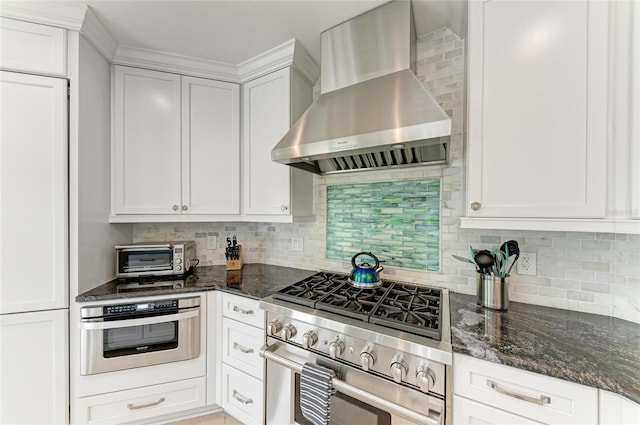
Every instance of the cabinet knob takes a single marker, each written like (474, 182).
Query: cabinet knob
(176, 208)
(184, 208)
(284, 207)
(476, 206)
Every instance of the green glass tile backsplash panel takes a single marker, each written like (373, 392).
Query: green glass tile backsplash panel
(398, 221)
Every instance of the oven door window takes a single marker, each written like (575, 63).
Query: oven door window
(344, 410)
(140, 339)
(131, 261)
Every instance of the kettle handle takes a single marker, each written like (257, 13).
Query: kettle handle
(353, 259)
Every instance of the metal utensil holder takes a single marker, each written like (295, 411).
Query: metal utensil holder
(493, 291)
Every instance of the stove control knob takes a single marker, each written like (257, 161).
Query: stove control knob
(398, 369)
(274, 327)
(288, 332)
(336, 348)
(309, 339)
(367, 358)
(425, 378)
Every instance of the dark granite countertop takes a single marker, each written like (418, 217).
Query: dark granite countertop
(253, 281)
(597, 351)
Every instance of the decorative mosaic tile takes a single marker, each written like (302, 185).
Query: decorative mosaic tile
(398, 221)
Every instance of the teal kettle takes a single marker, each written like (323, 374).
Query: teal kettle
(365, 275)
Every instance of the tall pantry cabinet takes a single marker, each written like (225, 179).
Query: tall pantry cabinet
(34, 273)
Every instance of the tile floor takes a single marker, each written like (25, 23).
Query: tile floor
(220, 418)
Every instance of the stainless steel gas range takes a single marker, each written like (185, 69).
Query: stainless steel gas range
(390, 347)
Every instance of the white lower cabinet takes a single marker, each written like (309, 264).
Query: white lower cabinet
(517, 392)
(242, 368)
(142, 403)
(617, 410)
(34, 366)
(242, 395)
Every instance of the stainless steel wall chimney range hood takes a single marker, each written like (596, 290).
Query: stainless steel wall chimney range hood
(372, 112)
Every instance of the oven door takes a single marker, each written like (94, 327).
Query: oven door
(370, 399)
(145, 261)
(108, 346)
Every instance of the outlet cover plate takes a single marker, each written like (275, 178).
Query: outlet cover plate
(297, 244)
(527, 264)
(212, 242)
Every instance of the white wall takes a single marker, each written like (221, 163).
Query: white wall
(589, 272)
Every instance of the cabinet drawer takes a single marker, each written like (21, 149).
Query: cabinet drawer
(242, 309)
(470, 412)
(242, 395)
(141, 403)
(33, 48)
(548, 400)
(241, 344)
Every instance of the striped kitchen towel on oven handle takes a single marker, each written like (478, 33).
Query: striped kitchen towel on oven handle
(316, 389)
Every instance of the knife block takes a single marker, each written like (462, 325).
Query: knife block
(236, 264)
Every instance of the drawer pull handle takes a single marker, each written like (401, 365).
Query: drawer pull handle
(132, 406)
(241, 398)
(539, 401)
(242, 349)
(241, 310)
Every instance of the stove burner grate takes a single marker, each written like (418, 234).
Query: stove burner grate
(405, 307)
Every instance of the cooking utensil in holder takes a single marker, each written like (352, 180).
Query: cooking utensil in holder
(236, 262)
(493, 291)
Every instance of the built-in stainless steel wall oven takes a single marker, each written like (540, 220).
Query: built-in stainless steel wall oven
(129, 335)
(389, 347)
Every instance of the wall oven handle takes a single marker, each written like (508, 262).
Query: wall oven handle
(540, 401)
(434, 418)
(132, 406)
(101, 324)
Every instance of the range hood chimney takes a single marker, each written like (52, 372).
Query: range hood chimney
(372, 112)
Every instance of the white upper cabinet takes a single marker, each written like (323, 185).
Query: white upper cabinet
(272, 191)
(33, 48)
(537, 142)
(176, 147)
(33, 193)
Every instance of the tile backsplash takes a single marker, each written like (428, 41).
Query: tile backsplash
(397, 220)
(588, 272)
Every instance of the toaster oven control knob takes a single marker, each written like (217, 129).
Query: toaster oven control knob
(178, 260)
(178, 268)
(367, 358)
(336, 348)
(309, 339)
(425, 378)
(273, 328)
(398, 369)
(288, 332)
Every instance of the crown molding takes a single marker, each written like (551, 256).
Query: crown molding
(98, 35)
(68, 15)
(171, 62)
(305, 64)
(266, 62)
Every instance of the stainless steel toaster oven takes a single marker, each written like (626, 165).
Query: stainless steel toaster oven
(155, 259)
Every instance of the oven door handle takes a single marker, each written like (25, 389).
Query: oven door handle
(267, 352)
(95, 324)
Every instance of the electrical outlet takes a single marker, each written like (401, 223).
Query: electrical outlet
(297, 244)
(527, 264)
(212, 242)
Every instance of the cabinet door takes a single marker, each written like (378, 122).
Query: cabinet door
(266, 105)
(147, 142)
(34, 363)
(537, 109)
(33, 48)
(617, 410)
(33, 193)
(210, 147)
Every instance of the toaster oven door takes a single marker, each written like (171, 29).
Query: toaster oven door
(133, 262)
